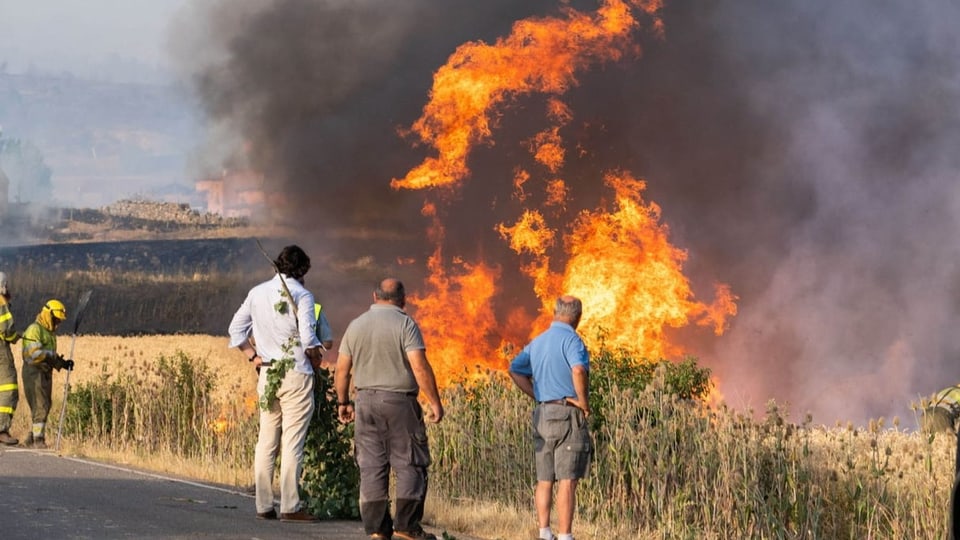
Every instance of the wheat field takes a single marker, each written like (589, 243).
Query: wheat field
(97, 355)
(716, 474)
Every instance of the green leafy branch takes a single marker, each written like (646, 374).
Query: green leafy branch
(282, 307)
(278, 368)
(277, 371)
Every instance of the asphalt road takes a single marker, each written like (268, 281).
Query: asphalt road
(46, 496)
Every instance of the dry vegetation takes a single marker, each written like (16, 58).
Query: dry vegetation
(685, 472)
(663, 469)
(99, 355)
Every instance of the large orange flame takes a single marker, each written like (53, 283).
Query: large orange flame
(540, 55)
(617, 257)
(622, 265)
(457, 317)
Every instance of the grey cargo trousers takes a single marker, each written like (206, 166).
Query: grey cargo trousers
(390, 433)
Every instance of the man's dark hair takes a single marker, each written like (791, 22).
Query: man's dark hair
(293, 262)
(391, 290)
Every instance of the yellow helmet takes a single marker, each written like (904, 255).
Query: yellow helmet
(56, 308)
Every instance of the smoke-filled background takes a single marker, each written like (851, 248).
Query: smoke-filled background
(804, 152)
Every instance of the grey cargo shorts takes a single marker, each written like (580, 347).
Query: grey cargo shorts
(561, 441)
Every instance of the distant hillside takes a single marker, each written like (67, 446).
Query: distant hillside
(125, 220)
(142, 219)
(103, 141)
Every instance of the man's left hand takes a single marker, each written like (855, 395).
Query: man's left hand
(582, 405)
(315, 355)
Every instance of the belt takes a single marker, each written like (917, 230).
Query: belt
(562, 401)
(379, 391)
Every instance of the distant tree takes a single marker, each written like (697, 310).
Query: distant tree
(29, 174)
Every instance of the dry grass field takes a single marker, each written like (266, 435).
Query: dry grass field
(725, 474)
(96, 356)
(235, 382)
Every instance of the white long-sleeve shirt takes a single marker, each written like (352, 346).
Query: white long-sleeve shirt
(272, 324)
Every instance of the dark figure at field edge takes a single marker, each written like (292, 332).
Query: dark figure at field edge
(554, 369)
(40, 358)
(278, 316)
(9, 390)
(385, 350)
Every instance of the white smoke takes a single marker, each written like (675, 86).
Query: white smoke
(858, 318)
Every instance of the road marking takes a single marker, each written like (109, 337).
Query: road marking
(134, 471)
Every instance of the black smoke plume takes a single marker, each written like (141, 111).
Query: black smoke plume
(803, 152)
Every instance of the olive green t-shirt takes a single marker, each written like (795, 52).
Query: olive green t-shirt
(378, 342)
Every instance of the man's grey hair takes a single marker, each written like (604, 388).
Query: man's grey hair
(570, 309)
(3, 284)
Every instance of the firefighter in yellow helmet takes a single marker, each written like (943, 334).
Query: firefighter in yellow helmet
(9, 391)
(40, 358)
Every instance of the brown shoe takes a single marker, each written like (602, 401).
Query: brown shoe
(8, 440)
(301, 516)
(269, 514)
(378, 536)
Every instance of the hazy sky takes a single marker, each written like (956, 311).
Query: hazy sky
(107, 39)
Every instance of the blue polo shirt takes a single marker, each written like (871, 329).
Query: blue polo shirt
(549, 359)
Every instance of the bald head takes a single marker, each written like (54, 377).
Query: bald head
(390, 291)
(568, 310)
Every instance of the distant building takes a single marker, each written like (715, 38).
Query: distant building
(234, 193)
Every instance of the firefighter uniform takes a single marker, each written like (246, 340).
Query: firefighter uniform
(324, 333)
(40, 358)
(9, 391)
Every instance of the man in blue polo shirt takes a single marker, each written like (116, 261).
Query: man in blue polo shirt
(554, 369)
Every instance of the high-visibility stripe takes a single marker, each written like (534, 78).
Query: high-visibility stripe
(33, 353)
(7, 410)
(6, 317)
(8, 387)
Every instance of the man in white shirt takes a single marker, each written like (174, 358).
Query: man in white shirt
(278, 315)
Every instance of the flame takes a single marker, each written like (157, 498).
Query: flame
(539, 55)
(547, 148)
(251, 403)
(520, 178)
(617, 257)
(457, 318)
(456, 315)
(622, 266)
(220, 424)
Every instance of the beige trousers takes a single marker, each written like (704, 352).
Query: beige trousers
(283, 430)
